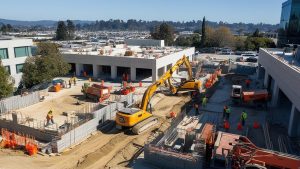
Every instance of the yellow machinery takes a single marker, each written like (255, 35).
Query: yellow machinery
(139, 118)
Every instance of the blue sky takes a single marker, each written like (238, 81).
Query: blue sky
(249, 11)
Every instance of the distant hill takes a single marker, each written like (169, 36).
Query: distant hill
(139, 25)
(47, 23)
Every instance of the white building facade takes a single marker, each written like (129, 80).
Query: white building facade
(13, 53)
(115, 66)
(281, 75)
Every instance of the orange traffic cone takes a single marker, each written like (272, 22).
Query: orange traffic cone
(256, 125)
(239, 127)
(226, 125)
(173, 114)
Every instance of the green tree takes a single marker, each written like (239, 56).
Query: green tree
(223, 37)
(4, 29)
(6, 85)
(61, 31)
(192, 40)
(9, 28)
(44, 67)
(254, 43)
(239, 43)
(164, 32)
(256, 33)
(203, 30)
(71, 29)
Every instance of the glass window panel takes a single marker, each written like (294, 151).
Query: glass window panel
(21, 51)
(3, 53)
(19, 68)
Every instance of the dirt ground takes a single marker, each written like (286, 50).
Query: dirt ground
(106, 149)
(65, 101)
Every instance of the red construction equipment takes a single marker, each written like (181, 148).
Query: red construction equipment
(127, 89)
(254, 96)
(245, 154)
(96, 92)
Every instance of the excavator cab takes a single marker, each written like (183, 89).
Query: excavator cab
(189, 85)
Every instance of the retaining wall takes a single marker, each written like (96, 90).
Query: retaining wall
(17, 102)
(171, 160)
(83, 131)
(41, 135)
(242, 69)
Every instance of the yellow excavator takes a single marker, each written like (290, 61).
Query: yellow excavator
(139, 119)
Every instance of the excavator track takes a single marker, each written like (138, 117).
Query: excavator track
(144, 125)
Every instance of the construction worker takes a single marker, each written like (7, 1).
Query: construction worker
(228, 111)
(243, 117)
(196, 108)
(70, 83)
(224, 112)
(49, 118)
(74, 79)
(204, 101)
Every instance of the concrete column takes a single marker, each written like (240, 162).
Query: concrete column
(79, 68)
(275, 94)
(132, 73)
(266, 79)
(95, 71)
(293, 123)
(154, 75)
(113, 71)
(260, 72)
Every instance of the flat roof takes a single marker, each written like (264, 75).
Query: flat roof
(287, 58)
(120, 50)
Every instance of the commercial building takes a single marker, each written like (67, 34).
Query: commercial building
(139, 62)
(13, 53)
(289, 32)
(281, 74)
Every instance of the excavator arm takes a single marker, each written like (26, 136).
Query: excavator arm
(166, 78)
(140, 119)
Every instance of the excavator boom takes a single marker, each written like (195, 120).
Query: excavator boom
(139, 118)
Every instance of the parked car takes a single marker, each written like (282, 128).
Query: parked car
(251, 59)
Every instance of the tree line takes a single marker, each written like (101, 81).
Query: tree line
(208, 36)
(140, 25)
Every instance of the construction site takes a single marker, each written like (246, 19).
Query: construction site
(211, 112)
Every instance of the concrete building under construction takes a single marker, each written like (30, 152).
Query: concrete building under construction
(148, 59)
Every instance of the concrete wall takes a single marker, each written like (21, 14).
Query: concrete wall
(113, 61)
(171, 160)
(286, 77)
(17, 102)
(41, 135)
(12, 61)
(99, 117)
(131, 62)
(172, 59)
(145, 42)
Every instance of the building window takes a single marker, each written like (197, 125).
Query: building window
(7, 68)
(19, 68)
(22, 51)
(3, 53)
